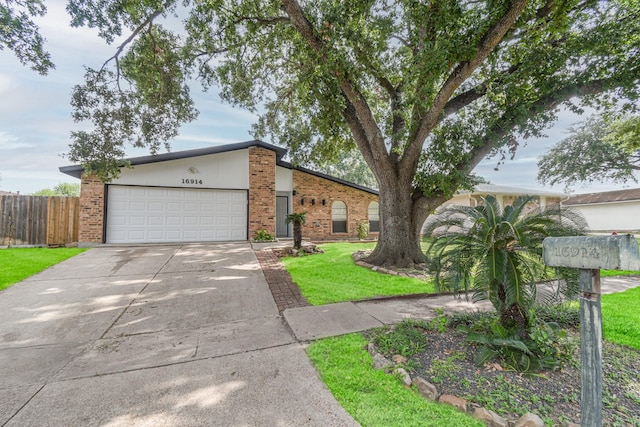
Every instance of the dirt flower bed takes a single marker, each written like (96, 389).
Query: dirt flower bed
(447, 362)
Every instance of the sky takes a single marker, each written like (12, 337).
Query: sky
(35, 117)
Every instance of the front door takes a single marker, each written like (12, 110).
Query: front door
(282, 210)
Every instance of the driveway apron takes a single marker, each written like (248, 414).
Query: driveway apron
(179, 335)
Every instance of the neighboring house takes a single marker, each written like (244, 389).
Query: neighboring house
(219, 193)
(609, 211)
(505, 196)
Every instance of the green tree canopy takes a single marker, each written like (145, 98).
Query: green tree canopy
(350, 166)
(424, 90)
(63, 189)
(21, 35)
(599, 149)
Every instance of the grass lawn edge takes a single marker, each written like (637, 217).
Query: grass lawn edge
(373, 397)
(18, 264)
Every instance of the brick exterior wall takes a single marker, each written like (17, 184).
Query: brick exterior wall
(91, 210)
(262, 191)
(508, 200)
(318, 226)
(551, 201)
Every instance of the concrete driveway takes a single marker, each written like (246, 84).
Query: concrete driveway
(180, 335)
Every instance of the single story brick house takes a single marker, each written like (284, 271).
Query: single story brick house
(219, 193)
(609, 211)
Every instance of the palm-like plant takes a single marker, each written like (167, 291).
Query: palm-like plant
(496, 253)
(298, 219)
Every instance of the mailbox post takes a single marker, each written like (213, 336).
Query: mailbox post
(589, 254)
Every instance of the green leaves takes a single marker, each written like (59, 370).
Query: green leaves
(548, 348)
(62, 189)
(299, 218)
(598, 150)
(142, 103)
(20, 34)
(496, 252)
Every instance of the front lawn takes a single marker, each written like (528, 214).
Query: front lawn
(17, 264)
(371, 396)
(621, 317)
(333, 277)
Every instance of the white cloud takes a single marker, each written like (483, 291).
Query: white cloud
(11, 142)
(6, 84)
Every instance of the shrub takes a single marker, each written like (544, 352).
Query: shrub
(496, 253)
(264, 236)
(548, 346)
(406, 338)
(363, 230)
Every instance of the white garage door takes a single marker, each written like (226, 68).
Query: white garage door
(156, 214)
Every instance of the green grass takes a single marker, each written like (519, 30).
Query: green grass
(17, 264)
(609, 273)
(621, 317)
(371, 396)
(333, 277)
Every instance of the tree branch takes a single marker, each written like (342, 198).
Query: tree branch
(138, 30)
(506, 124)
(460, 101)
(357, 113)
(485, 46)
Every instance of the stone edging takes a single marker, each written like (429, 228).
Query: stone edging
(430, 392)
(359, 255)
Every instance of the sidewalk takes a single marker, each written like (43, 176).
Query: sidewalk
(314, 322)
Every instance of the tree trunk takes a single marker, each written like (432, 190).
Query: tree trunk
(514, 317)
(297, 235)
(401, 219)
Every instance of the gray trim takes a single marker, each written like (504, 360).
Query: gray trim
(485, 189)
(76, 170)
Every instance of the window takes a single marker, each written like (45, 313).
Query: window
(338, 217)
(374, 217)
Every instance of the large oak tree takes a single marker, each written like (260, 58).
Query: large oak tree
(423, 89)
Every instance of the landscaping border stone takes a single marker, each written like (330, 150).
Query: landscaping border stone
(430, 392)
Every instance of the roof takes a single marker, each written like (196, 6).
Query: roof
(604, 197)
(503, 189)
(76, 170)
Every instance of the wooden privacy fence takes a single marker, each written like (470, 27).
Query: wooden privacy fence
(38, 220)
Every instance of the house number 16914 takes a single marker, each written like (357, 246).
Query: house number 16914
(191, 181)
(574, 251)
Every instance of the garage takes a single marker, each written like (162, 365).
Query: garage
(137, 214)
